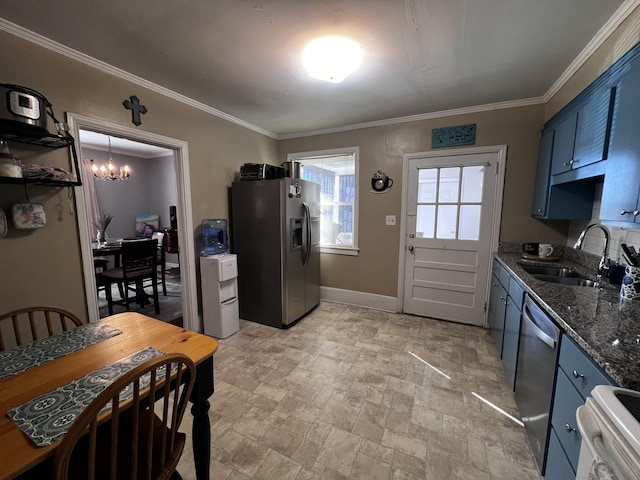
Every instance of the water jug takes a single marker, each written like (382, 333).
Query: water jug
(214, 236)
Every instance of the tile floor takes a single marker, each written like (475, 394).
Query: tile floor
(339, 396)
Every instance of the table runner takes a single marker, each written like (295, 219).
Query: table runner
(47, 418)
(41, 351)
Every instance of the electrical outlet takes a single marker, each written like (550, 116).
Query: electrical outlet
(391, 220)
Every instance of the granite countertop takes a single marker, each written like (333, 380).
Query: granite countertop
(607, 327)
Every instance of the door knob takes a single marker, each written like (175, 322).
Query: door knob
(410, 247)
(412, 235)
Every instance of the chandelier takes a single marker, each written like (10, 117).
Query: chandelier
(109, 171)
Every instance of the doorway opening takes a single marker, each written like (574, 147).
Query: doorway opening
(137, 206)
(156, 184)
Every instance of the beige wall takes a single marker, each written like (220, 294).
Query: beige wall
(375, 269)
(43, 266)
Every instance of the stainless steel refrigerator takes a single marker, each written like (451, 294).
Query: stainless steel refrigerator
(275, 232)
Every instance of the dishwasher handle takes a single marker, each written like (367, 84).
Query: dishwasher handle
(529, 316)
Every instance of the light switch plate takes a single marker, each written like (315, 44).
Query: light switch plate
(391, 220)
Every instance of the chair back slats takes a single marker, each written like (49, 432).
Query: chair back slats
(28, 324)
(91, 459)
(139, 257)
(131, 440)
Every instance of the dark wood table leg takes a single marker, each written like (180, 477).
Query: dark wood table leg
(201, 432)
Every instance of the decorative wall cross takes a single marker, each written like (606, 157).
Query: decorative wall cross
(133, 104)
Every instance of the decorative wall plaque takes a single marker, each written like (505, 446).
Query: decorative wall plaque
(453, 136)
(133, 104)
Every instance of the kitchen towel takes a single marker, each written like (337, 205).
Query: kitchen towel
(630, 288)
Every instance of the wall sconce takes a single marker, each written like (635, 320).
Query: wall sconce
(380, 183)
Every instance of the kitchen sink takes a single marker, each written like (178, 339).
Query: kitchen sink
(561, 275)
(549, 271)
(575, 281)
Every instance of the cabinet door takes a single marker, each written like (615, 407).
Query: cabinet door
(593, 128)
(541, 188)
(622, 177)
(563, 143)
(565, 403)
(497, 309)
(510, 339)
(558, 466)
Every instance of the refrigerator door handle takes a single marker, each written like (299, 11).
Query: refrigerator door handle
(307, 222)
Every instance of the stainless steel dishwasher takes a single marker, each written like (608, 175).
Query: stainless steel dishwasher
(535, 375)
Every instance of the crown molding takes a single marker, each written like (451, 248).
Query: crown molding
(416, 118)
(56, 47)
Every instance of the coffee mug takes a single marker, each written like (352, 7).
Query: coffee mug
(530, 248)
(380, 182)
(545, 250)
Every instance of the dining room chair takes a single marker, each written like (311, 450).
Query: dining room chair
(162, 259)
(130, 431)
(139, 262)
(26, 325)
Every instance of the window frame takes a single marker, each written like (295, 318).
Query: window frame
(306, 157)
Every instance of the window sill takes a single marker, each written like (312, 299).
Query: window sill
(340, 250)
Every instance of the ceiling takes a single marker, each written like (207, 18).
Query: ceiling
(241, 59)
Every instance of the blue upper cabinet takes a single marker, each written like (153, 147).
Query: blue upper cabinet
(563, 201)
(622, 178)
(594, 135)
(541, 191)
(563, 144)
(582, 135)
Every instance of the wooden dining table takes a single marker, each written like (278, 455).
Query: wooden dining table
(114, 250)
(18, 453)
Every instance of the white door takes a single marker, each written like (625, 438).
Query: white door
(451, 225)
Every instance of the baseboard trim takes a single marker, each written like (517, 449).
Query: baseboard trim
(360, 299)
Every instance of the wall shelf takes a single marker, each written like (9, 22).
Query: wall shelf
(47, 141)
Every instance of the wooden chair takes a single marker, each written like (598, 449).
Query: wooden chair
(26, 325)
(129, 440)
(139, 262)
(162, 260)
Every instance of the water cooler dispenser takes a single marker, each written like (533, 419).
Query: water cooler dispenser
(219, 279)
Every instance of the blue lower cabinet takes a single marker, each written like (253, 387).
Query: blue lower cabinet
(497, 307)
(567, 400)
(558, 466)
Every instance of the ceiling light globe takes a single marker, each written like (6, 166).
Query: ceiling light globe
(331, 59)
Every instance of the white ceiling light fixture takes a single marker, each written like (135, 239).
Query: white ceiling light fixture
(331, 59)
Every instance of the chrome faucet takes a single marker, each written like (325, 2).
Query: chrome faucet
(603, 266)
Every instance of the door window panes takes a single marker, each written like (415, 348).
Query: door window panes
(447, 221)
(472, 184)
(457, 211)
(427, 183)
(469, 222)
(425, 221)
(449, 185)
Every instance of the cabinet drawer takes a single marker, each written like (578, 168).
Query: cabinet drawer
(566, 402)
(516, 292)
(558, 466)
(581, 370)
